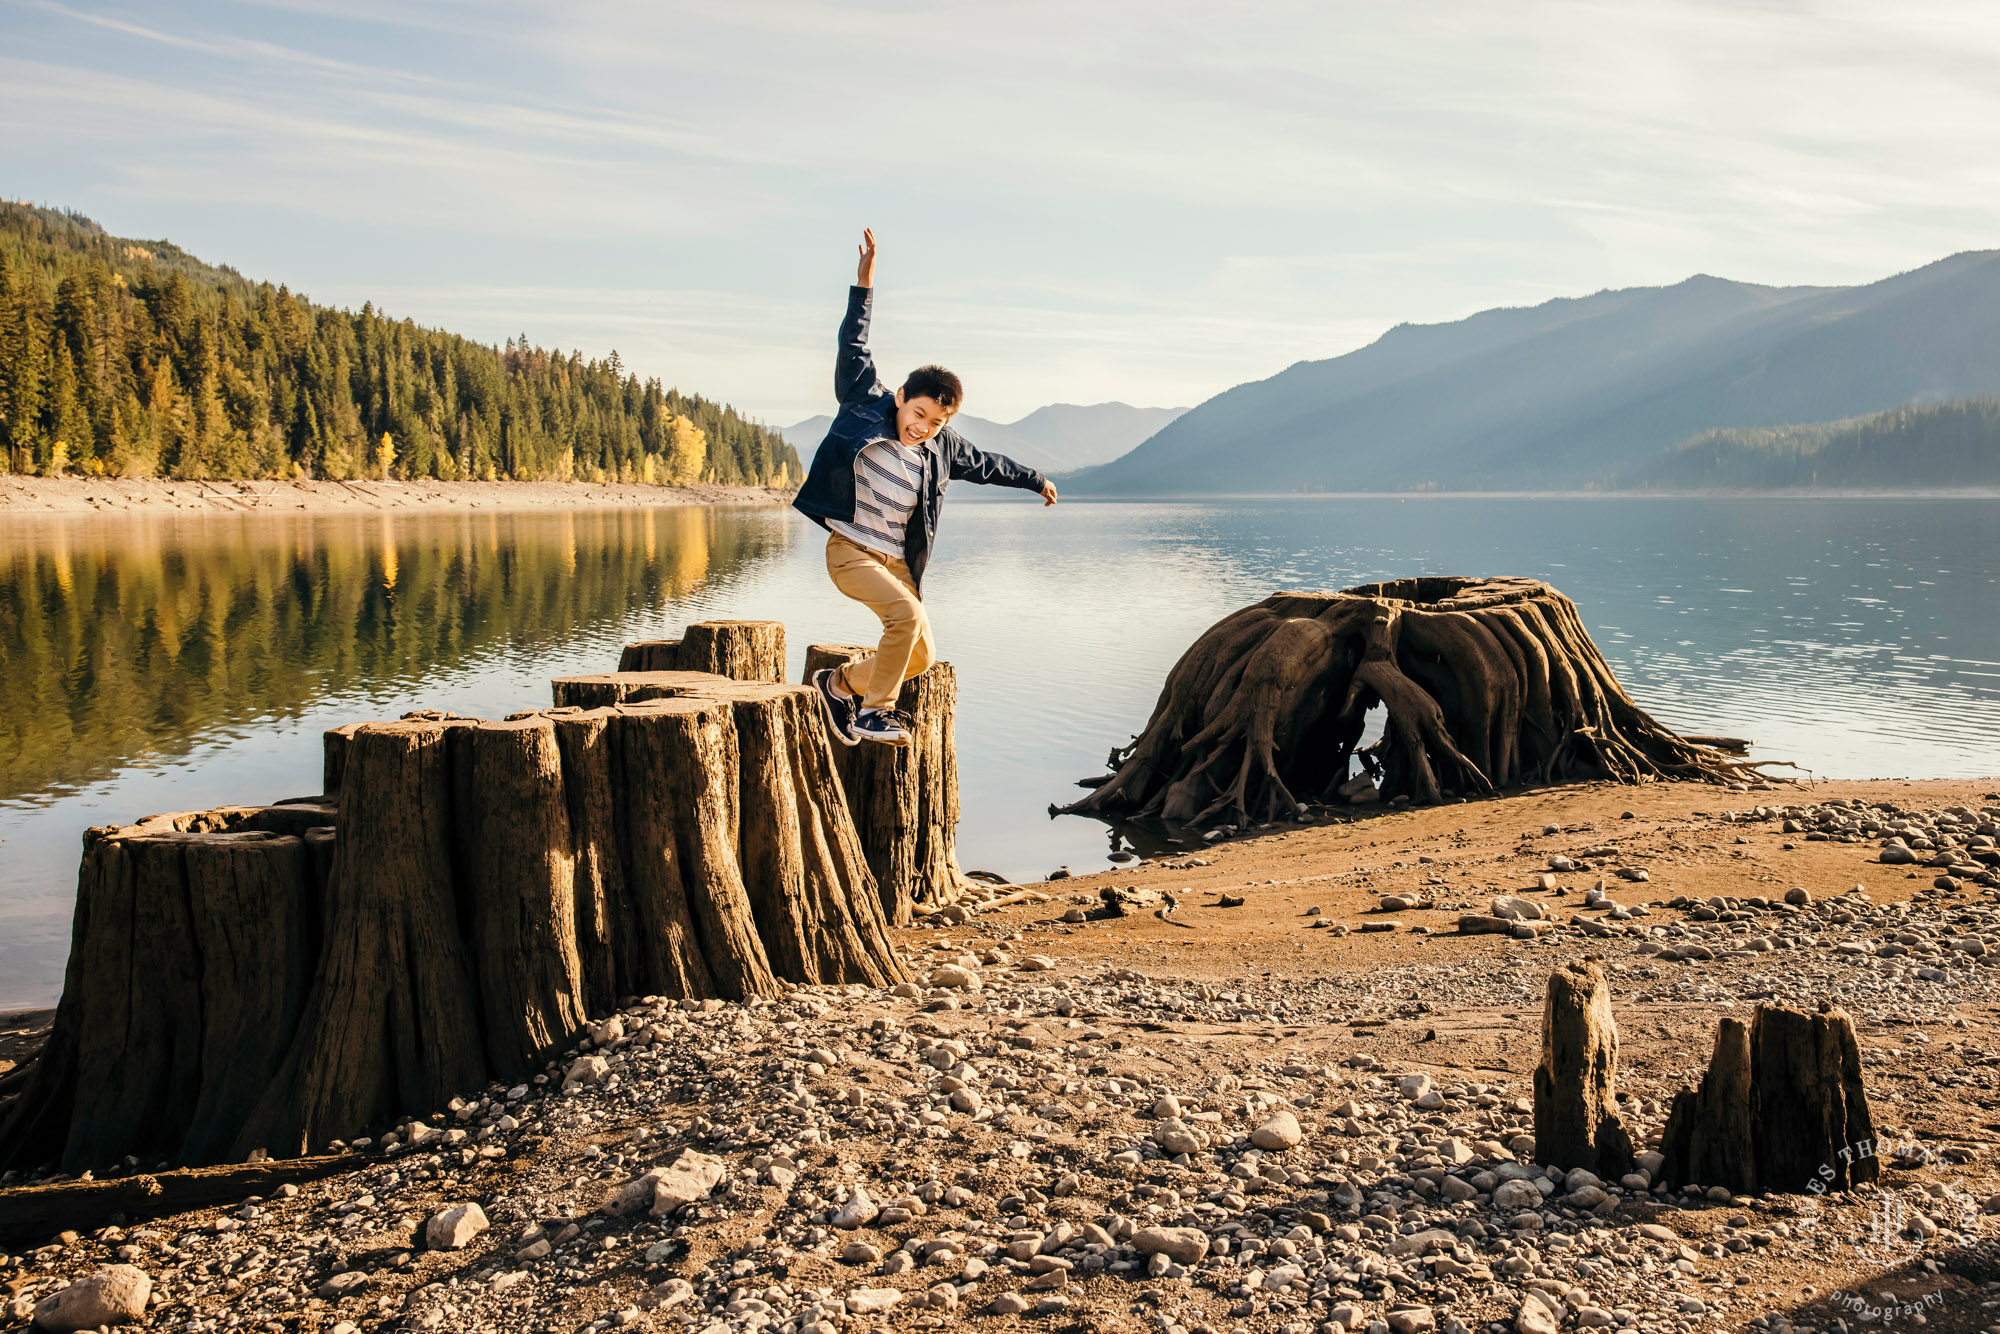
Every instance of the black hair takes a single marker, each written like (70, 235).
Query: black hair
(934, 382)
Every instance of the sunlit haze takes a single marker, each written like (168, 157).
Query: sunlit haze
(1076, 202)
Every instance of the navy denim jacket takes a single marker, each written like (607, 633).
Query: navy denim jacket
(868, 413)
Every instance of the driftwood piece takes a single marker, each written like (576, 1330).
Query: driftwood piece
(34, 1213)
(904, 799)
(1782, 1108)
(1486, 683)
(393, 1020)
(515, 858)
(1576, 1082)
(740, 650)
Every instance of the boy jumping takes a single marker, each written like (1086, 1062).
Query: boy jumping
(876, 484)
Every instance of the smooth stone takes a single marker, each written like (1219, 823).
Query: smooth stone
(1280, 1132)
(114, 1295)
(450, 1229)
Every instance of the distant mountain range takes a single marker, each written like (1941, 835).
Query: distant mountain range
(1056, 439)
(1588, 392)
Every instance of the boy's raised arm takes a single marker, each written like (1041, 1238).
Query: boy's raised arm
(853, 368)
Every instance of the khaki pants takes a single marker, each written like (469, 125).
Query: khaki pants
(883, 583)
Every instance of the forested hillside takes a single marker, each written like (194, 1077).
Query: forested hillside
(134, 358)
(1941, 445)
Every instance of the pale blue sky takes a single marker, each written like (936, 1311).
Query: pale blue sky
(1077, 201)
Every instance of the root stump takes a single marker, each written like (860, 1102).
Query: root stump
(1487, 683)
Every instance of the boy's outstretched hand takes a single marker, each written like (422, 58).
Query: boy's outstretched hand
(865, 275)
(1048, 494)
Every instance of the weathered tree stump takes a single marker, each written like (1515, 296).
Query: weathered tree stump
(1487, 683)
(1576, 1082)
(812, 893)
(191, 954)
(393, 1021)
(651, 655)
(1711, 1133)
(623, 687)
(254, 978)
(680, 818)
(904, 799)
(513, 849)
(740, 650)
(1782, 1108)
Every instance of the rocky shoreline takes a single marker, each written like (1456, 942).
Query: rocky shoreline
(1054, 1130)
(27, 496)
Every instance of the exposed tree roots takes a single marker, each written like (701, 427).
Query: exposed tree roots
(1487, 683)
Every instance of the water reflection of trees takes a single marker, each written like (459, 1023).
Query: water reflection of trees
(137, 637)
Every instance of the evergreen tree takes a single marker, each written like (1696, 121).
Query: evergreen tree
(141, 360)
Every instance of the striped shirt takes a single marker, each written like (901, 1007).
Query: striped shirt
(887, 477)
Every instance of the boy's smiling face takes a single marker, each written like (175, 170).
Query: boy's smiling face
(919, 418)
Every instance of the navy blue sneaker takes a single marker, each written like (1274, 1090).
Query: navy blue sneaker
(889, 726)
(839, 707)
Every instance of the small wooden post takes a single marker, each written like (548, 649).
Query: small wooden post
(1576, 1083)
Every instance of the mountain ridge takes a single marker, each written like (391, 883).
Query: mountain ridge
(1572, 392)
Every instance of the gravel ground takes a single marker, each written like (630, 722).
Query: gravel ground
(1044, 1134)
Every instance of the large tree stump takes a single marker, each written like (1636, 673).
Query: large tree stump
(1781, 1108)
(680, 817)
(740, 650)
(393, 1020)
(1486, 683)
(608, 935)
(651, 655)
(813, 895)
(274, 977)
(515, 856)
(1576, 1082)
(190, 959)
(904, 799)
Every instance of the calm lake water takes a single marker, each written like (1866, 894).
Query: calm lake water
(168, 664)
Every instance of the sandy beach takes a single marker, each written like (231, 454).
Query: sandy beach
(1000, 1146)
(21, 495)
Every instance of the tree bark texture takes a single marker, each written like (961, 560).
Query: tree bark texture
(1576, 1082)
(191, 956)
(1710, 1136)
(740, 650)
(1782, 1108)
(623, 687)
(275, 977)
(904, 799)
(1486, 683)
(393, 1022)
